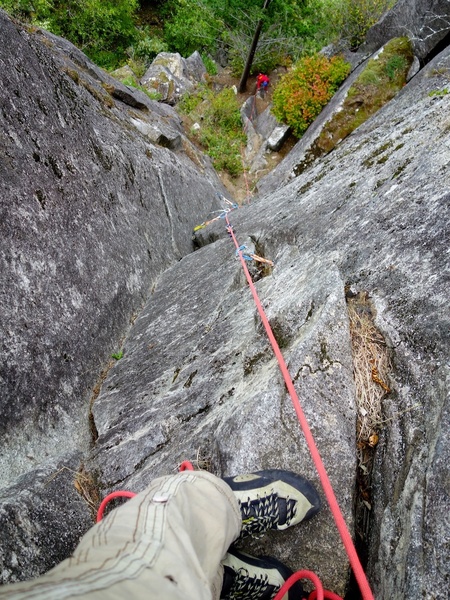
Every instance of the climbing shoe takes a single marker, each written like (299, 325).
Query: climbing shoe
(273, 499)
(249, 578)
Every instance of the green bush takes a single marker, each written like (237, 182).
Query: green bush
(148, 46)
(395, 65)
(210, 65)
(369, 77)
(303, 92)
(383, 77)
(28, 9)
(103, 29)
(191, 25)
(224, 111)
(220, 134)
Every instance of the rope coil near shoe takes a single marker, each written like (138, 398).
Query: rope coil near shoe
(324, 479)
(185, 466)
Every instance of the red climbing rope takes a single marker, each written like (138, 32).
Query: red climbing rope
(319, 593)
(108, 498)
(185, 466)
(326, 484)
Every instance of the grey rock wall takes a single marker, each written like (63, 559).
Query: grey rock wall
(171, 75)
(199, 377)
(425, 22)
(93, 209)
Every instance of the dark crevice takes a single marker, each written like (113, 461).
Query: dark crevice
(442, 45)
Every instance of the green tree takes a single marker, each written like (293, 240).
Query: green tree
(101, 28)
(191, 25)
(355, 17)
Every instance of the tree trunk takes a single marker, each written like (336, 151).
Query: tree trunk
(251, 54)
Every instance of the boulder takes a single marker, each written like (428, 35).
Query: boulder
(171, 75)
(264, 133)
(277, 138)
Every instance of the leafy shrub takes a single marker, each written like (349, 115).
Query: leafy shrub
(101, 28)
(303, 92)
(224, 111)
(191, 25)
(382, 78)
(211, 67)
(138, 66)
(225, 152)
(189, 102)
(27, 9)
(369, 77)
(221, 133)
(148, 46)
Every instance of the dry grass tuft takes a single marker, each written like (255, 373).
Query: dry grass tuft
(200, 463)
(371, 367)
(85, 485)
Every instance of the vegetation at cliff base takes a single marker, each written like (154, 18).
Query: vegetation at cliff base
(103, 29)
(219, 126)
(306, 89)
(383, 77)
(112, 32)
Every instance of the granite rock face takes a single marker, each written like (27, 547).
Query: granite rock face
(42, 517)
(378, 206)
(198, 380)
(264, 133)
(425, 22)
(198, 377)
(93, 209)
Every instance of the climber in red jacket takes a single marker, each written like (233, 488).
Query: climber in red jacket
(262, 82)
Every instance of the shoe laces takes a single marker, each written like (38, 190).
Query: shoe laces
(246, 587)
(264, 513)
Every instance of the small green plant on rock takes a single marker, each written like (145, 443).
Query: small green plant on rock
(210, 65)
(395, 65)
(443, 92)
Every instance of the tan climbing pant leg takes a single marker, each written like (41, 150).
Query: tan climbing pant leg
(167, 543)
